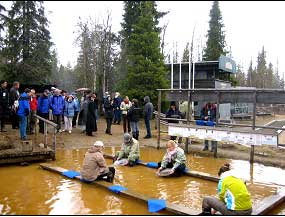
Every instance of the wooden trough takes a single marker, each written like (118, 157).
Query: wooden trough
(170, 207)
(265, 206)
(192, 173)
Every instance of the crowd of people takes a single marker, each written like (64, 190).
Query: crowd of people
(67, 111)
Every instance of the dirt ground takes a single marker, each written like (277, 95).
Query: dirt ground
(267, 155)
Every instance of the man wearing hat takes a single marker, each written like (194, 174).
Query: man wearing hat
(23, 112)
(94, 165)
(130, 151)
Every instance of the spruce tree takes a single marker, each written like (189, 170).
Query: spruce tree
(186, 52)
(28, 43)
(215, 45)
(261, 69)
(145, 66)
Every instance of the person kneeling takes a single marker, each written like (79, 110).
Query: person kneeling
(173, 162)
(234, 198)
(130, 152)
(94, 165)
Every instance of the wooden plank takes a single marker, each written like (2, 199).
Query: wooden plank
(191, 173)
(268, 203)
(172, 208)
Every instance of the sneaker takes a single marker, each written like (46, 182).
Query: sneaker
(63, 130)
(147, 137)
(60, 131)
(69, 131)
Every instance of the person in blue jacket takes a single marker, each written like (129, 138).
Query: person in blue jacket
(69, 111)
(208, 113)
(77, 109)
(23, 112)
(117, 111)
(56, 104)
(43, 109)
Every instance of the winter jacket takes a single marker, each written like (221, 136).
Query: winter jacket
(33, 103)
(14, 95)
(125, 107)
(177, 159)
(173, 114)
(69, 108)
(43, 105)
(130, 151)
(148, 108)
(117, 103)
(233, 192)
(24, 105)
(56, 104)
(134, 113)
(108, 107)
(4, 101)
(210, 113)
(94, 164)
(77, 105)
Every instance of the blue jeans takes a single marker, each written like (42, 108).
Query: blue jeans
(117, 115)
(147, 125)
(23, 126)
(135, 127)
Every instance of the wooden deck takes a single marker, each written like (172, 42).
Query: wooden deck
(191, 173)
(12, 156)
(170, 207)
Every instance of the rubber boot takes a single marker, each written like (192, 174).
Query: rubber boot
(134, 135)
(213, 146)
(206, 211)
(131, 163)
(138, 133)
(206, 147)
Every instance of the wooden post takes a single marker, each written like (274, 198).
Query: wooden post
(45, 135)
(54, 139)
(253, 127)
(188, 121)
(159, 111)
(217, 122)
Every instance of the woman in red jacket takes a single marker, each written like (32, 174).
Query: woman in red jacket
(34, 106)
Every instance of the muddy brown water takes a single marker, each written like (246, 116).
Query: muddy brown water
(34, 191)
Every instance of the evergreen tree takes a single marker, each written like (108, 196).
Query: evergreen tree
(185, 58)
(215, 45)
(146, 71)
(28, 43)
(250, 75)
(240, 77)
(261, 69)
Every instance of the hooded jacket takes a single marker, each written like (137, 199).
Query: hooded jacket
(24, 105)
(69, 108)
(177, 159)
(148, 108)
(131, 151)
(233, 192)
(94, 164)
(57, 104)
(43, 104)
(134, 113)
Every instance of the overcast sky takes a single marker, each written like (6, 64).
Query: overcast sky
(248, 26)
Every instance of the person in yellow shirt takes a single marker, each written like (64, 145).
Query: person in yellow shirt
(234, 198)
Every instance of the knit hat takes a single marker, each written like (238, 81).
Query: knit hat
(99, 144)
(127, 138)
